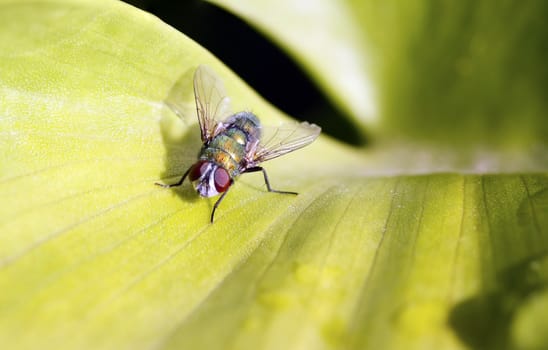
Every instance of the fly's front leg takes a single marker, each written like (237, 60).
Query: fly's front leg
(179, 183)
(270, 189)
(219, 201)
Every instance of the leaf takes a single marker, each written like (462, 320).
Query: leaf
(93, 255)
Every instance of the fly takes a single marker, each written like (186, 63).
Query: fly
(234, 144)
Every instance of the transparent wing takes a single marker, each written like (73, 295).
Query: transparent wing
(181, 99)
(212, 104)
(286, 138)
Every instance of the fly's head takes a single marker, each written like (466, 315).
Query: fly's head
(209, 179)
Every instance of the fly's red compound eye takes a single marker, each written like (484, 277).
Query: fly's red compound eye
(198, 170)
(222, 180)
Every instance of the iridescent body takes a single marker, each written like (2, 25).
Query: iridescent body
(230, 147)
(235, 145)
(227, 150)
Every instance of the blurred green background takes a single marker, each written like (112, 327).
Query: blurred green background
(453, 73)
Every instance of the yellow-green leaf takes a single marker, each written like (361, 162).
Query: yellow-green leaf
(370, 254)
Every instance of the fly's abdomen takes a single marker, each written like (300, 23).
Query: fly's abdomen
(248, 123)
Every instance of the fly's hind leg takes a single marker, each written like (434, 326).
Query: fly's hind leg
(178, 183)
(270, 189)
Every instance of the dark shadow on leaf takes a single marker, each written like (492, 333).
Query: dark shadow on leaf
(258, 61)
(484, 321)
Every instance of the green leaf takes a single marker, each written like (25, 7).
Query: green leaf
(375, 252)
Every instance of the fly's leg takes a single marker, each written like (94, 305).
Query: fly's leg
(219, 201)
(179, 183)
(270, 189)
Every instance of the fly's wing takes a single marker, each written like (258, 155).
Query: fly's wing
(180, 100)
(212, 104)
(286, 138)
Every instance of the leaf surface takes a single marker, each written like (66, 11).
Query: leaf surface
(370, 254)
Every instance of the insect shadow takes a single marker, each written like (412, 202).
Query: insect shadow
(180, 137)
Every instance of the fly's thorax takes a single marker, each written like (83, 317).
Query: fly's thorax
(209, 179)
(230, 147)
(224, 151)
